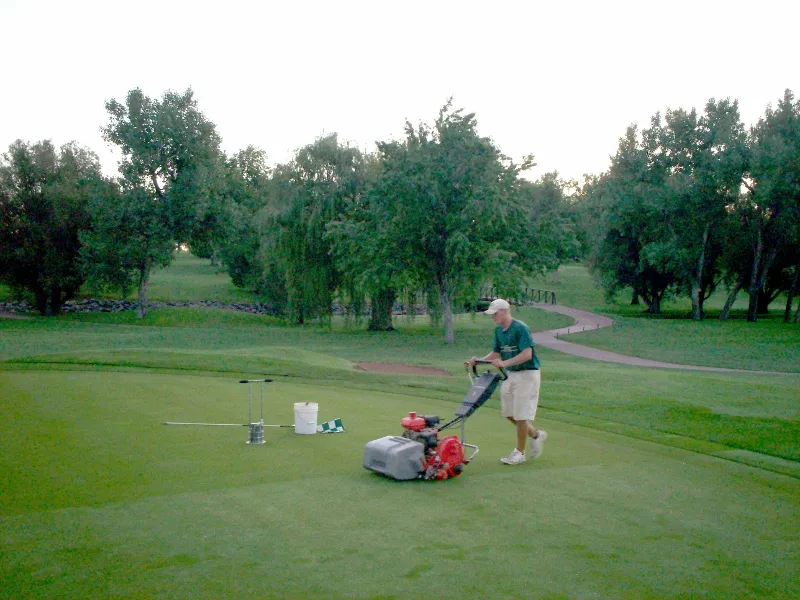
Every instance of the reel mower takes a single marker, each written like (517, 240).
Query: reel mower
(420, 453)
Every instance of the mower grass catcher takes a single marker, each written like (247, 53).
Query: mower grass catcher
(419, 453)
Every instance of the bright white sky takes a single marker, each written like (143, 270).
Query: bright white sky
(559, 79)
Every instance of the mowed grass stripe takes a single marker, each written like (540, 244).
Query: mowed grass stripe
(599, 515)
(755, 413)
(415, 340)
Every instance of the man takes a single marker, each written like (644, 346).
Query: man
(513, 350)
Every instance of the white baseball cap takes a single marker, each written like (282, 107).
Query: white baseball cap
(496, 305)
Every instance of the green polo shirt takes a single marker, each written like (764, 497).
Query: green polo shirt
(514, 340)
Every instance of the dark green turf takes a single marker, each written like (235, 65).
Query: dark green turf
(106, 502)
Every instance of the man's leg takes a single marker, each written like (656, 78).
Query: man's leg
(528, 395)
(522, 435)
(509, 402)
(524, 430)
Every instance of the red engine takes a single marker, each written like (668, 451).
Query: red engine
(444, 457)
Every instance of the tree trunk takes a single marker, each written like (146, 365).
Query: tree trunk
(635, 298)
(761, 275)
(703, 298)
(48, 301)
(447, 313)
(55, 301)
(214, 260)
(154, 179)
(697, 281)
(697, 303)
(48, 306)
(723, 316)
(381, 317)
(787, 314)
(651, 298)
(763, 302)
(752, 309)
(141, 301)
(41, 301)
(655, 306)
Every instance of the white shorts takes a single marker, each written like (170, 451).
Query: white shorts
(520, 395)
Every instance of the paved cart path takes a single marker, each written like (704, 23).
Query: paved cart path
(585, 321)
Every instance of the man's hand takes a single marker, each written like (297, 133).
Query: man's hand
(498, 364)
(470, 363)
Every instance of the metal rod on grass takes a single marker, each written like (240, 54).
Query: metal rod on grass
(223, 424)
(209, 424)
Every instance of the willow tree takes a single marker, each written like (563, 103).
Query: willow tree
(369, 259)
(314, 189)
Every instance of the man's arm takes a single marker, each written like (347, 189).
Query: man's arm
(492, 356)
(520, 358)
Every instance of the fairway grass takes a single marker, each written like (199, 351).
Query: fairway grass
(653, 483)
(190, 278)
(104, 501)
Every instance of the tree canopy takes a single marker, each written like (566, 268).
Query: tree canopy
(694, 200)
(171, 172)
(446, 212)
(44, 199)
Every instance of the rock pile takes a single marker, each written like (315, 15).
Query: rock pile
(14, 307)
(93, 306)
(258, 308)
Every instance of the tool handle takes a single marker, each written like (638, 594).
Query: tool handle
(480, 361)
(267, 380)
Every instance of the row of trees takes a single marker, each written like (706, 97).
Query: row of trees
(440, 212)
(64, 223)
(694, 201)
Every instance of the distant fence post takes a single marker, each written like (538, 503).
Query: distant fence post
(536, 295)
(528, 296)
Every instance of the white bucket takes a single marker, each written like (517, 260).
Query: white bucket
(305, 417)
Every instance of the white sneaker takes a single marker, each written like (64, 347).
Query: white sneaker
(515, 458)
(537, 444)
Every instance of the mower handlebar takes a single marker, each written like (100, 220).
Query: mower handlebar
(480, 361)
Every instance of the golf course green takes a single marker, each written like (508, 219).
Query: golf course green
(652, 484)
